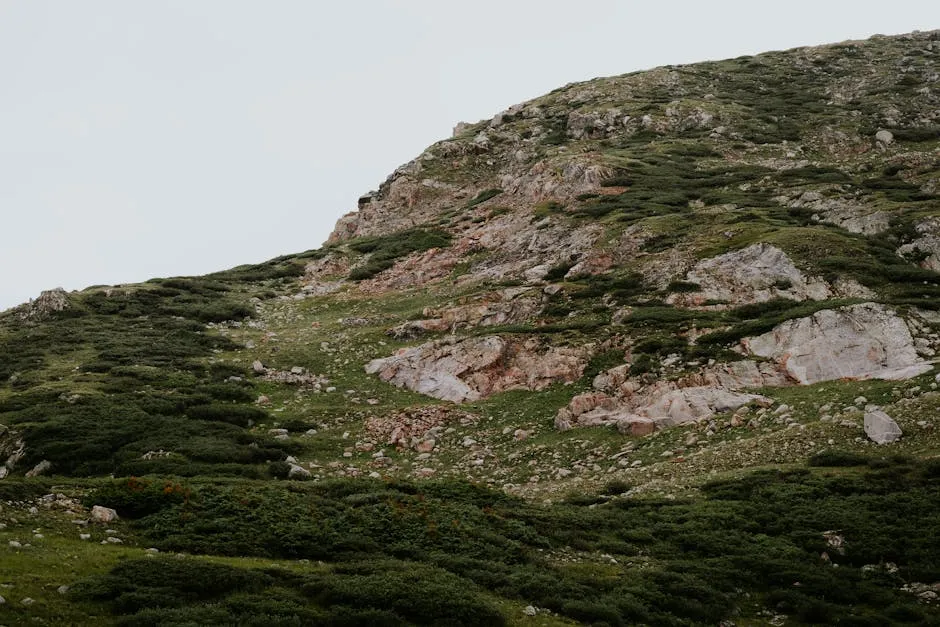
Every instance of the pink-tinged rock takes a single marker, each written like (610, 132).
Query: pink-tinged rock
(636, 426)
(473, 368)
(583, 403)
(425, 446)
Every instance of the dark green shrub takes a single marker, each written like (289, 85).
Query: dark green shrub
(483, 197)
(831, 458)
(135, 498)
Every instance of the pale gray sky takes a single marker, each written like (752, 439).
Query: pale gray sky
(142, 139)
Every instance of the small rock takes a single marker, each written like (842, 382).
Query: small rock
(84, 536)
(153, 550)
(62, 589)
(426, 446)
(861, 401)
(298, 472)
(113, 540)
(530, 611)
(14, 544)
(27, 601)
(258, 367)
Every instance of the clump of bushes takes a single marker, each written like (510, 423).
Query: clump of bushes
(135, 497)
(434, 552)
(387, 249)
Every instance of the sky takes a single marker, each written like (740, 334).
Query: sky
(147, 139)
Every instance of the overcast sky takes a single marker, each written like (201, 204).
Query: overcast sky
(160, 138)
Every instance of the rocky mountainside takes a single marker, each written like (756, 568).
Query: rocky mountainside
(643, 302)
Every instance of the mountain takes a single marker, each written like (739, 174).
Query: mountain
(657, 348)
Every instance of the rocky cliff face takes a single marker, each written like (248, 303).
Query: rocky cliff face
(791, 193)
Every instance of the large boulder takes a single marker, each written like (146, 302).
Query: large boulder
(866, 341)
(880, 427)
(473, 368)
(755, 274)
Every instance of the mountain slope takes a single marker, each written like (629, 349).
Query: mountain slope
(654, 296)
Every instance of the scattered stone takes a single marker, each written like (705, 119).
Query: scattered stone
(62, 589)
(27, 601)
(530, 610)
(15, 544)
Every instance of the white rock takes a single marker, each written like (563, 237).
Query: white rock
(298, 472)
(880, 427)
(865, 341)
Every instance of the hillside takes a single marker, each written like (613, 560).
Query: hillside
(657, 348)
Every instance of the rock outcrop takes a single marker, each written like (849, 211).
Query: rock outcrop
(45, 305)
(866, 341)
(755, 274)
(474, 368)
